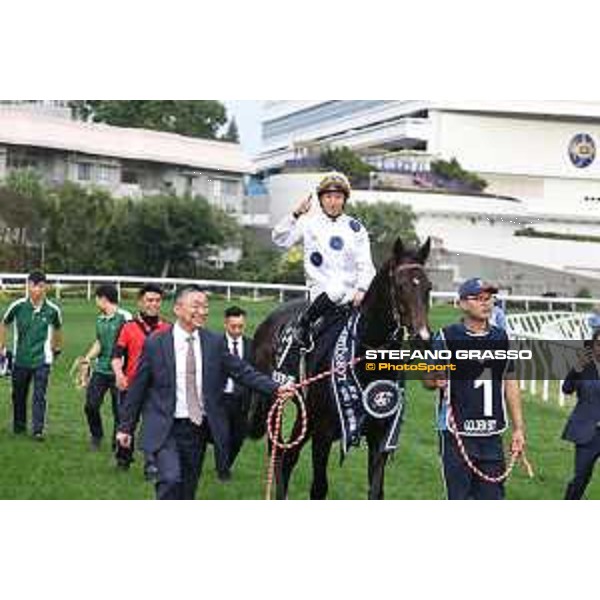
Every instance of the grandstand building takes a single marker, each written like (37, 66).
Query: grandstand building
(536, 229)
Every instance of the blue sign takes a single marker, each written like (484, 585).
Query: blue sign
(582, 150)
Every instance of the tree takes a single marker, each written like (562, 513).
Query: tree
(78, 226)
(348, 162)
(21, 218)
(453, 171)
(170, 235)
(259, 258)
(290, 268)
(194, 118)
(86, 230)
(232, 134)
(385, 222)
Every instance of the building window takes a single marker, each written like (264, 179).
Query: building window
(129, 176)
(189, 184)
(225, 189)
(21, 160)
(229, 188)
(84, 171)
(105, 173)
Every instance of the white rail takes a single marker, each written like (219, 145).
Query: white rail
(556, 358)
(62, 281)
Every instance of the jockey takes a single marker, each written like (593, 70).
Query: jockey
(337, 253)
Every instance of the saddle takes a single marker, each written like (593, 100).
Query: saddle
(292, 358)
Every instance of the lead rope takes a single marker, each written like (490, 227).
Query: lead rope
(513, 460)
(275, 418)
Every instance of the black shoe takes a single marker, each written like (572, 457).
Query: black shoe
(151, 473)
(95, 444)
(38, 436)
(123, 465)
(19, 431)
(224, 476)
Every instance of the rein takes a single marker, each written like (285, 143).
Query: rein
(401, 332)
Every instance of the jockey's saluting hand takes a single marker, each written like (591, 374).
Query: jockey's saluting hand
(337, 253)
(303, 208)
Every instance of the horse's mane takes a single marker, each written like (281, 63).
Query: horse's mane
(381, 280)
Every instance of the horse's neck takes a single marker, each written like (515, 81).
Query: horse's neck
(377, 318)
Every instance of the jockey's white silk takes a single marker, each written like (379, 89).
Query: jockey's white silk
(337, 254)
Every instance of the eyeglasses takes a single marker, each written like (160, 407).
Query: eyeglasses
(482, 298)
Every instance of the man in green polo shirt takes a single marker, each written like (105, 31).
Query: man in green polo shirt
(37, 340)
(108, 324)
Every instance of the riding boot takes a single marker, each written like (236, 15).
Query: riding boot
(319, 308)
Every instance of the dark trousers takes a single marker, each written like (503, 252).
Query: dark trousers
(180, 460)
(124, 456)
(586, 456)
(99, 384)
(21, 381)
(236, 409)
(461, 483)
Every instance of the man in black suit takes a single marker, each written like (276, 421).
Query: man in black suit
(178, 390)
(236, 398)
(583, 427)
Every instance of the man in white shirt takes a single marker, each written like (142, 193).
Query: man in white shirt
(178, 389)
(236, 398)
(337, 252)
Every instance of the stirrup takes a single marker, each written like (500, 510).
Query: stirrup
(304, 339)
(308, 348)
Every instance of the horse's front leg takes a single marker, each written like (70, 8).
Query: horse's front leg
(321, 448)
(286, 462)
(377, 462)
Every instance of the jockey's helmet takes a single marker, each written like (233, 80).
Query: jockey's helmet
(334, 182)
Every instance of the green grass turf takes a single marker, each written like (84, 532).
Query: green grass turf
(64, 468)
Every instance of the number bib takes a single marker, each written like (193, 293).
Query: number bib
(476, 389)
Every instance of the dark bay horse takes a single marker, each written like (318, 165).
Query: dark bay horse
(396, 302)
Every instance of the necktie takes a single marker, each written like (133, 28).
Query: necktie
(194, 403)
(236, 352)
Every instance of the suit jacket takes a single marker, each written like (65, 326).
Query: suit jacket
(240, 390)
(153, 393)
(582, 425)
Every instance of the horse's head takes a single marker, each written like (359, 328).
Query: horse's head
(410, 288)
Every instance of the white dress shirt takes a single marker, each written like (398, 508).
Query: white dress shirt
(229, 386)
(180, 337)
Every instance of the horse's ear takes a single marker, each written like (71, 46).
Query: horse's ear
(399, 249)
(424, 251)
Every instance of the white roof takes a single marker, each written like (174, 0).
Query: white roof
(575, 109)
(22, 128)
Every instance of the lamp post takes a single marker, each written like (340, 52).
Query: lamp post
(43, 250)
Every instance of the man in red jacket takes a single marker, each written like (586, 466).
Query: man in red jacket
(126, 354)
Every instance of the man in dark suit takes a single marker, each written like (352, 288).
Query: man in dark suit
(583, 427)
(236, 398)
(178, 390)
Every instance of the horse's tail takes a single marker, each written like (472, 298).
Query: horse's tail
(265, 340)
(263, 360)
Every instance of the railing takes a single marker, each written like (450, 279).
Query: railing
(548, 330)
(60, 282)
